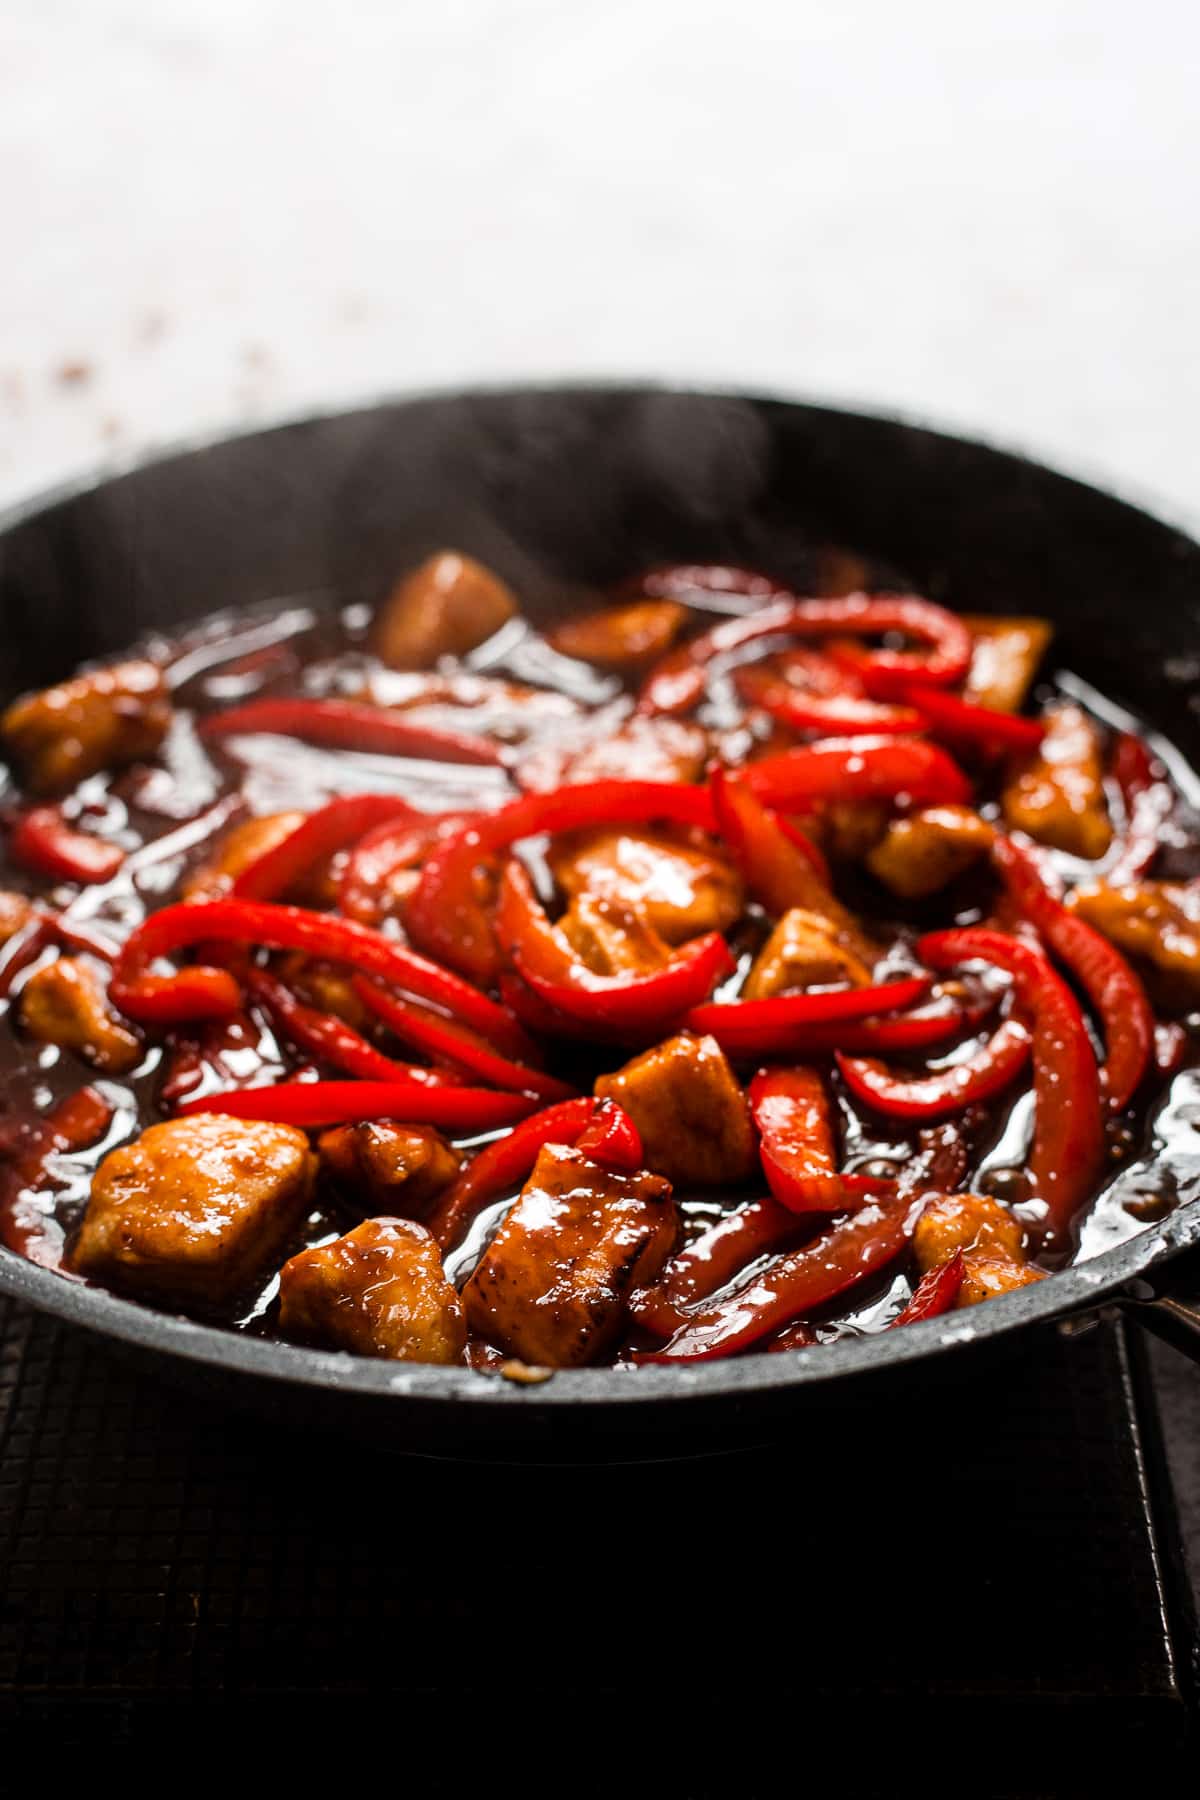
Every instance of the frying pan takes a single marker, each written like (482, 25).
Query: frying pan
(561, 489)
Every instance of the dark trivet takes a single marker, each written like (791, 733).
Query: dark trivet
(1008, 1560)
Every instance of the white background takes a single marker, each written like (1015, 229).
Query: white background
(215, 212)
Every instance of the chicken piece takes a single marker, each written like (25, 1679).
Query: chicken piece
(195, 1207)
(625, 638)
(986, 1275)
(64, 1003)
(1004, 660)
(692, 1115)
(679, 891)
(953, 1222)
(99, 721)
(380, 1165)
(552, 1285)
(923, 853)
(612, 939)
(806, 949)
(235, 852)
(379, 1291)
(16, 912)
(640, 750)
(848, 830)
(1057, 797)
(325, 986)
(1156, 921)
(445, 608)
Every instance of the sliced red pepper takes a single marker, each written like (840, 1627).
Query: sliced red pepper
(781, 868)
(1114, 990)
(611, 1139)
(444, 917)
(315, 1104)
(1148, 802)
(352, 725)
(843, 715)
(799, 1157)
(1068, 1138)
(382, 853)
(799, 1335)
(76, 1123)
(213, 993)
(330, 829)
(974, 726)
(712, 1261)
(325, 1038)
(858, 769)
(44, 843)
(444, 1039)
(943, 1092)
(934, 1294)
(552, 969)
(771, 1027)
(504, 1165)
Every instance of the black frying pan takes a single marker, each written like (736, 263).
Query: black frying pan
(558, 489)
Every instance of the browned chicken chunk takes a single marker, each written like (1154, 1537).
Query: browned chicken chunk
(678, 890)
(806, 949)
(1005, 659)
(381, 1166)
(610, 938)
(98, 721)
(552, 1285)
(986, 1275)
(235, 852)
(379, 1291)
(445, 608)
(922, 854)
(1057, 797)
(692, 1115)
(64, 1003)
(195, 1207)
(991, 1239)
(624, 638)
(16, 912)
(1158, 922)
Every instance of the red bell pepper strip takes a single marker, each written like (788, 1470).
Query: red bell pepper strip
(444, 1039)
(383, 852)
(943, 1092)
(974, 727)
(1114, 990)
(1148, 802)
(505, 1164)
(325, 1038)
(750, 1042)
(934, 1294)
(781, 868)
(858, 769)
(549, 965)
(1068, 1138)
(611, 1139)
(799, 1157)
(712, 1261)
(44, 843)
(443, 916)
(213, 993)
(77, 1123)
(315, 1104)
(768, 1027)
(842, 715)
(799, 1335)
(351, 725)
(853, 1249)
(331, 828)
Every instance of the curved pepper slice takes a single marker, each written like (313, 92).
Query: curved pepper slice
(799, 1158)
(443, 916)
(844, 714)
(611, 1139)
(973, 726)
(1112, 987)
(442, 1038)
(1148, 802)
(383, 852)
(712, 1261)
(352, 725)
(934, 1294)
(641, 1003)
(1068, 1137)
(315, 1104)
(330, 829)
(772, 1027)
(505, 1164)
(781, 868)
(858, 769)
(325, 1038)
(44, 843)
(945, 1091)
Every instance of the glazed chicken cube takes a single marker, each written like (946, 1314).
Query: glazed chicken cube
(379, 1291)
(195, 1207)
(806, 949)
(612, 939)
(680, 891)
(447, 607)
(1156, 921)
(381, 1166)
(236, 851)
(552, 1286)
(991, 1238)
(99, 721)
(692, 1115)
(625, 638)
(64, 1003)
(923, 853)
(1057, 797)
(16, 912)
(1004, 660)
(986, 1275)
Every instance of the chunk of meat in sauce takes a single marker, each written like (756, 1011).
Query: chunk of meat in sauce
(104, 720)
(639, 750)
(610, 938)
(380, 1166)
(379, 1291)
(992, 1240)
(623, 638)
(692, 1115)
(1158, 922)
(1004, 660)
(195, 1207)
(922, 854)
(64, 1003)
(679, 890)
(1057, 797)
(447, 607)
(16, 912)
(552, 1286)
(235, 852)
(806, 949)
(848, 830)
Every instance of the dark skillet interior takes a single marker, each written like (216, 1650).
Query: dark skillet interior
(559, 490)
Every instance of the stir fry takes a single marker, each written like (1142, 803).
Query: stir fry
(723, 969)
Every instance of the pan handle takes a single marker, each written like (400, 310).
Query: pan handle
(1169, 1304)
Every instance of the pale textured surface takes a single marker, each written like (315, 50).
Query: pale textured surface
(224, 210)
